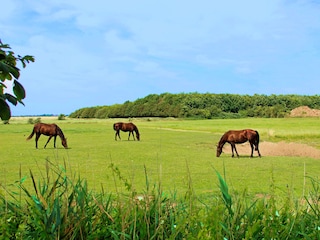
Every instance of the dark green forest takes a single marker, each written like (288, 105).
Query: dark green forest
(203, 106)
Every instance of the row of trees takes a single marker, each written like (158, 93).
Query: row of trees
(197, 105)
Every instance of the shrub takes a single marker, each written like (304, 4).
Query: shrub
(62, 117)
(34, 121)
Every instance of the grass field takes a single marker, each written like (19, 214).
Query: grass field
(175, 154)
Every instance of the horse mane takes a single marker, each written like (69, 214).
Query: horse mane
(222, 140)
(60, 133)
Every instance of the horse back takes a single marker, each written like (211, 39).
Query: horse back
(126, 127)
(47, 129)
(134, 127)
(239, 136)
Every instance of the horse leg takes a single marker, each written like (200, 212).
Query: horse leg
(257, 149)
(255, 146)
(37, 138)
(232, 147)
(235, 149)
(251, 144)
(133, 136)
(48, 141)
(117, 134)
(54, 142)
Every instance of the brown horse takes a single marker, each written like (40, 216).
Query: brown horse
(239, 136)
(126, 127)
(51, 130)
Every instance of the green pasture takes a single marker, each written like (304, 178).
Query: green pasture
(172, 153)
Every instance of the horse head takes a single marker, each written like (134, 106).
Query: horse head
(219, 150)
(64, 143)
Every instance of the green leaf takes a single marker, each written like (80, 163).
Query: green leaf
(18, 90)
(11, 98)
(8, 76)
(2, 55)
(4, 45)
(20, 102)
(2, 87)
(225, 192)
(5, 112)
(14, 71)
(4, 70)
(22, 180)
(26, 59)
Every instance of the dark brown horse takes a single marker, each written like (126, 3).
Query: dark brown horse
(51, 130)
(239, 136)
(126, 127)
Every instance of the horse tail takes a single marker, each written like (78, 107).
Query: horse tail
(135, 128)
(114, 126)
(31, 135)
(257, 140)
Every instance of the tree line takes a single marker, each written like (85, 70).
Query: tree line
(202, 105)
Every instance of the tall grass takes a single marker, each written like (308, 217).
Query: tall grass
(61, 206)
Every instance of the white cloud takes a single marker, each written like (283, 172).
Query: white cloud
(90, 47)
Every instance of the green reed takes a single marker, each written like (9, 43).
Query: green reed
(59, 205)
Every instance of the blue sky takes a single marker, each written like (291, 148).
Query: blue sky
(92, 53)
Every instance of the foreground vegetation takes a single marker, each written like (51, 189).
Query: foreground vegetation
(169, 185)
(60, 207)
(205, 106)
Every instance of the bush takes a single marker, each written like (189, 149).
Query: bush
(34, 121)
(62, 117)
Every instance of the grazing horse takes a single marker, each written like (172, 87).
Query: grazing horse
(51, 130)
(239, 136)
(126, 127)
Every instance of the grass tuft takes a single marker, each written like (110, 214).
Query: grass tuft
(61, 206)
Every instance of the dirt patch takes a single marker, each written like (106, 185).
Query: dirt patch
(283, 148)
(304, 111)
(277, 149)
